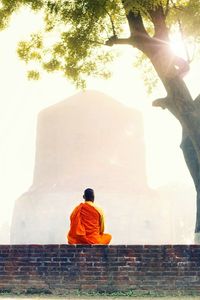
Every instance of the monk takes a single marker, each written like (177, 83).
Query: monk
(87, 223)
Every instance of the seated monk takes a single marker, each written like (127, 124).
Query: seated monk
(87, 223)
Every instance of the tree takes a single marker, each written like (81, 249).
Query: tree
(85, 32)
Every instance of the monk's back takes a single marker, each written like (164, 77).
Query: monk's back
(87, 223)
(90, 219)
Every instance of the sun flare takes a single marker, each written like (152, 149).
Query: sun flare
(177, 45)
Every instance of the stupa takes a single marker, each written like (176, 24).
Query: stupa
(87, 140)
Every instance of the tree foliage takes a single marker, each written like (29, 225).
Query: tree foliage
(81, 29)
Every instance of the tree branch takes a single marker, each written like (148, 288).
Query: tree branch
(96, 42)
(114, 40)
(197, 99)
(175, 6)
(136, 24)
(182, 66)
(112, 23)
(167, 9)
(161, 102)
(158, 18)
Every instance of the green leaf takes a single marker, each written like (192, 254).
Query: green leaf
(33, 75)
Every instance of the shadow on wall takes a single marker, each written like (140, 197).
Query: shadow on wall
(91, 140)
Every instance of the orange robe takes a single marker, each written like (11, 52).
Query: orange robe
(87, 225)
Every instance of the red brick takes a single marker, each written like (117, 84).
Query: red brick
(98, 267)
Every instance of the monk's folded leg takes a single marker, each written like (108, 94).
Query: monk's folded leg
(81, 240)
(105, 238)
(71, 241)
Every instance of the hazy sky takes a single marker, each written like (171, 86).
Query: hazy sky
(21, 100)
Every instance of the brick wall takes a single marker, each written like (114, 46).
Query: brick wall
(64, 268)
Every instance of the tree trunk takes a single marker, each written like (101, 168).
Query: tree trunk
(193, 165)
(180, 103)
(197, 227)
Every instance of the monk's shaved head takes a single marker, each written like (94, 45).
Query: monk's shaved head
(89, 194)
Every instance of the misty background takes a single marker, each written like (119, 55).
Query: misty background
(164, 212)
(92, 140)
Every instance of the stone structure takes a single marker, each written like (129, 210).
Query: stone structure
(61, 269)
(90, 140)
